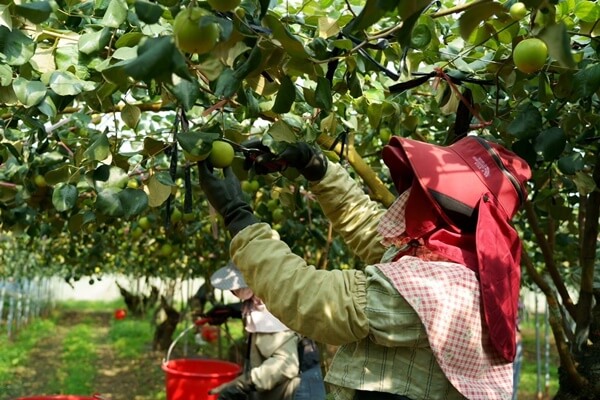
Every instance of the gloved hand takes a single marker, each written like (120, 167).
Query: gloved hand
(222, 312)
(226, 196)
(308, 160)
(237, 389)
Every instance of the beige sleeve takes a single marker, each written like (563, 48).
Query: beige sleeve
(353, 214)
(327, 306)
(279, 352)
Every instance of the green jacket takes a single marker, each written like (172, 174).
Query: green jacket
(383, 343)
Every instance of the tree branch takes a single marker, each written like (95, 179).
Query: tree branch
(379, 191)
(555, 318)
(458, 9)
(549, 258)
(587, 256)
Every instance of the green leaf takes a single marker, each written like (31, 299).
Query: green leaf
(587, 11)
(476, 14)
(527, 123)
(286, 95)
(64, 197)
(29, 93)
(227, 84)
(421, 37)
(36, 12)
(47, 107)
(109, 203)
(115, 14)
(354, 85)
(16, 47)
(584, 182)
(158, 192)
(570, 164)
(157, 59)
(551, 143)
(281, 132)
(197, 143)
(152, 147)
(131, 115)
(372, 12)
(246, 98)
(558, 41)
(586, 81)
(93, 42)
(292, 45)
(148, 12)
(64, 83)
(129, 39)
(99, 150)
(109, 176)
(186, 92)
(323, 95)
(5, 17)
(133, 201)
(66, 173)
(5, 75)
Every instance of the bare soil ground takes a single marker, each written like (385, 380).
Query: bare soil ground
(117, 378)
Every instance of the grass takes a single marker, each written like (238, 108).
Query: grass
(14, 353)
(131, 338)
(78, 368)
(539, 371)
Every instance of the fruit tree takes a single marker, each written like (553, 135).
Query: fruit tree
(106, 107)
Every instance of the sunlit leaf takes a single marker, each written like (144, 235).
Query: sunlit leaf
(99, 149)
(115, 14)
(16, 48)
(131, 115)
(29, 93)
(64, 197)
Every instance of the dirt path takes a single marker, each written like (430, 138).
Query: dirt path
(116, 378)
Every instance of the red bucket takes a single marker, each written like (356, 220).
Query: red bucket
(191, 379)
(59, 397)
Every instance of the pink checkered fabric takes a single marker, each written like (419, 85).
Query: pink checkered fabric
(447, 299)
(392, 227)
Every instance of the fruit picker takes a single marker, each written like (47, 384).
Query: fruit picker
(272, 363)
(432, 315)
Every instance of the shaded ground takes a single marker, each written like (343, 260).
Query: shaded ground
(116, 378)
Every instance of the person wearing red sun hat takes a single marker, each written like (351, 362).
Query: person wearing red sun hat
(433, 314)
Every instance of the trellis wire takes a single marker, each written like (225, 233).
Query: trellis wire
(21, 301)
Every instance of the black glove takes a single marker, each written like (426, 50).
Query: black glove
(237, 389)
(309, 161)
(222, 312)
(226, 196)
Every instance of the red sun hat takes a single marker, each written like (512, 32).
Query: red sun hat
(455, 177)
(480, 183)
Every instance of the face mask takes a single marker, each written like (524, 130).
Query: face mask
(243, 293)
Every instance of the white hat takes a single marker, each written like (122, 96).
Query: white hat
(228, 277)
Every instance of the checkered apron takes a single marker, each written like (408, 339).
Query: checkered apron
(446, 296)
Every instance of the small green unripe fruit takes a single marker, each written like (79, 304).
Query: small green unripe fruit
(193, 32)
(166, 249)
(144, 223)
(517, 11)
(221, 155)
(530, 55)
(40, 181)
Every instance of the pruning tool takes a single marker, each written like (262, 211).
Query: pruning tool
(257, 153)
